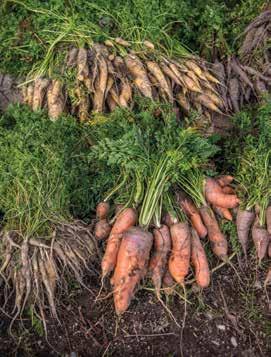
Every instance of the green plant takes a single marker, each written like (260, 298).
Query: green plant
(249, 157)
(44, 173)
(149, 153)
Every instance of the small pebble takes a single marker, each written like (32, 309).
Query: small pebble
(234, 342)
(221, 327)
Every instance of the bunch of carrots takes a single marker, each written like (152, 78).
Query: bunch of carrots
(167, 203)
(164, 250)
(160, 232)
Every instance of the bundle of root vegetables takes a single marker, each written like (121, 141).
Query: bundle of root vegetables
(165, 251)
(44, 267)
(246, 78)
(169, 251)
(107, 77)
(110, 75)
(169, 177)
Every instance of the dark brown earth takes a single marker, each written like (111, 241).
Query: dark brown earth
(238, 326)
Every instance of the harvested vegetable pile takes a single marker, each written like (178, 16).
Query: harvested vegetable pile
(110, 75)
(140, 144)
(44, 186)
(251, 161)
(151, 226)
(246, 78)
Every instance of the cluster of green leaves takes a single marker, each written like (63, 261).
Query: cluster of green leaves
(45, 175)
(36, 27)
(250, 156)
(150, 153)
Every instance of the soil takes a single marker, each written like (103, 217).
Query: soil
(231, 318)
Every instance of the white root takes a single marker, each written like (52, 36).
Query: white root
(41, 85)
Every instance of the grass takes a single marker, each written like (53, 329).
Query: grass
(36, 28)
(45, 175)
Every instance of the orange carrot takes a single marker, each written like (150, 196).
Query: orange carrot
(131, 265)
(218, 241)
(199, 261)
(125, 220)
(179, 260)
(162, 246)
(215, 195)
(102, 210)
(244, 221)
(268, 219)
(224, 180)
(223, 212)
(102, 229)
(260, 238)
(192, 213)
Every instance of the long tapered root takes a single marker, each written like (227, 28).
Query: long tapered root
(39, 269)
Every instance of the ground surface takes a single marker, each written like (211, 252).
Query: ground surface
(238, 326)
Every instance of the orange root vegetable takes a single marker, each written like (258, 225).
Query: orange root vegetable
(193, 214)
(228, 190)
(178, 264)
(139, 74)
(215, 195)
(102, 229)
(244, 222)
(102, 210)
(260, 238)
(268, 219)
(126, 219)
(224, 180)
(131, 267)
(223, 212)
(199, 261)
(162, 246)
(218, 241)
